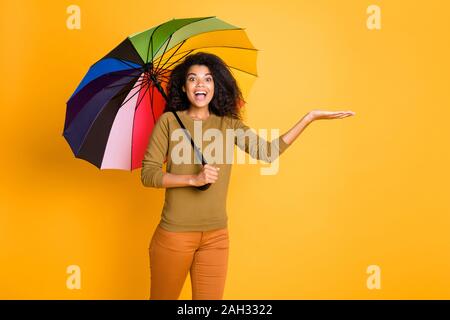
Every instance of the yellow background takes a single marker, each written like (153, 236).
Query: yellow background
(365, 190)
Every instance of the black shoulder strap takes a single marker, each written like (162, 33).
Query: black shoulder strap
(199, 154)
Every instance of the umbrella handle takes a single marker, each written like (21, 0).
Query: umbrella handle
(204, 187)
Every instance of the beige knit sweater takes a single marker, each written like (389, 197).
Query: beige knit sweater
(187, 208)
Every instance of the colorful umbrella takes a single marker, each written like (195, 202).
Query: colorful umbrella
(111, 114)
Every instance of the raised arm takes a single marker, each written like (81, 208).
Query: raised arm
(269, 151)
(255, 145)
(311, 116)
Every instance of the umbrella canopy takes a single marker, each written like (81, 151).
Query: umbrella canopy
(111, 114)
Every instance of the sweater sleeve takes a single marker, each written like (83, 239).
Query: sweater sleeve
(155, 154)
(257, 147)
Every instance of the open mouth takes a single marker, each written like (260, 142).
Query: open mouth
(200, 95)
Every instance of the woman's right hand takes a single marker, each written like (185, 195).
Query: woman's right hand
(208, 174)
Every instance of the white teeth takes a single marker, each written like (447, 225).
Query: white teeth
(198, 92)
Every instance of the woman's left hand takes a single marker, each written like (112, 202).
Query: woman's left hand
(323, 114)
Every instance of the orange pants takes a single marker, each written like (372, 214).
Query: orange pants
(174, 254)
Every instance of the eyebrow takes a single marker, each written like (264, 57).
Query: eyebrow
(196, 74)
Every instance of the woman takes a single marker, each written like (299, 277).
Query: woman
(193, 234)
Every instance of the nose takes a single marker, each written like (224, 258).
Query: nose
(199, 82)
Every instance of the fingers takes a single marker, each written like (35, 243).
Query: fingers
(211, 173)
(323, 114)
(343, 114)
(211, 168)
(210, 178)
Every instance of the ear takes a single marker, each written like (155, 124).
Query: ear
(182, 88)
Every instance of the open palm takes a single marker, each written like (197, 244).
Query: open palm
(323, 114)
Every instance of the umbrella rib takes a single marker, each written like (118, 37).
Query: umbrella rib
(135, 86)
(252, 74)
(217, 30)
(178, 59)
(117, 85)
(132, 132)
(183, 26)
(162, 67)
(167, 71)
(163, 72)
(156, 69)
(145, 92)
(134, 117)
(115, 74)
(151, 42)
(231, 47)
(127, 64)
(164, 77)
(137, 91)
(151, 105)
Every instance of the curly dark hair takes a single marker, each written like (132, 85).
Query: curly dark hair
(227, 98)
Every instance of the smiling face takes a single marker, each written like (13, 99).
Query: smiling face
(199, 86)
